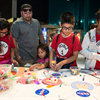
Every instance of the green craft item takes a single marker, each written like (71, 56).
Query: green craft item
(12, 78)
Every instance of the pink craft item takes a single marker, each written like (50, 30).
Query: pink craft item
(22, 80)
(45, 81)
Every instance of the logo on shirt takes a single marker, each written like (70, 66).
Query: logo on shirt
(93, 39)
(4, 48)
(62, 49)
(98, 43)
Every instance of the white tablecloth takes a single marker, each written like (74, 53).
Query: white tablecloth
(27, 91)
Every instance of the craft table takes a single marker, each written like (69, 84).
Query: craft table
(63, 92)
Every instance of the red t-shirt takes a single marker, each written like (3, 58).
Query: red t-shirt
(97, 66)
(7, 43)
(65, 47)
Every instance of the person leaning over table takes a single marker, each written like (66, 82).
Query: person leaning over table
(25, 32)
(91, 46)
(66, 46)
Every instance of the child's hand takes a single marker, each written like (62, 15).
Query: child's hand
(53, 64)
(14, 62)
(32, 67)
(58, 66)
(18, 58)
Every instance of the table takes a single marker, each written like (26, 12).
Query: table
(27, 91)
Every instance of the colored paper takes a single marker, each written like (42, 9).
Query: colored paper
(20, 72)
(49, 86)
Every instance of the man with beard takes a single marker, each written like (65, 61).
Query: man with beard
(25, 32)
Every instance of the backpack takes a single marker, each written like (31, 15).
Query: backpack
(58, 37)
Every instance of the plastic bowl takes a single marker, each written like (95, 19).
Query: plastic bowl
(75, 70)
(6, 85)
(5, 71)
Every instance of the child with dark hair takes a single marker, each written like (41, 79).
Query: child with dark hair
(42, 57)
(91, 46)
(6, 43)
(66, 44)
(93, 26)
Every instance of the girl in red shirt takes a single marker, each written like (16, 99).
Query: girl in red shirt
(6, 43)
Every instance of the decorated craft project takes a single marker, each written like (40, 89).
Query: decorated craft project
(97, 84)
(82, 93)
(51, 81)
(57, 75)
(15, 71)
(20, 72)
(80, 89)
(82, 85)
(28, 78)
(42, 92)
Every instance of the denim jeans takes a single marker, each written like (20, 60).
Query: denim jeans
(65, 66)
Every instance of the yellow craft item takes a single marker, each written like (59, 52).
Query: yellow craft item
(53, 61)
(50, 75)
(7, 73)
(49, 86)
(33, 74)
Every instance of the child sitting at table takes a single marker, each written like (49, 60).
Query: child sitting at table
(42, 57)
(66, 44)
(6, 43)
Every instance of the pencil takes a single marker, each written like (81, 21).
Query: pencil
(61, 84)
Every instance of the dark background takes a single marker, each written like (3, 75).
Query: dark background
(40, 8)
(49, 11)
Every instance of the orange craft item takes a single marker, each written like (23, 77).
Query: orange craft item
(13, 72)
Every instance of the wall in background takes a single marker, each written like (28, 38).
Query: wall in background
(93, 8)
(84, 11)
(6, 8)
(49, 11)
(57, 7)
(40, 8)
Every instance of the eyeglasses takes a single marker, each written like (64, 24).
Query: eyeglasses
(3, 32)
(25, 10)
(65, 28)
